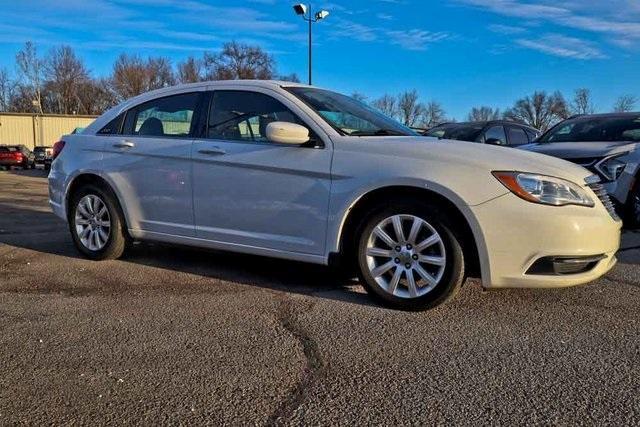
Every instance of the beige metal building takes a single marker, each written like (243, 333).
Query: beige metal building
(35, 130)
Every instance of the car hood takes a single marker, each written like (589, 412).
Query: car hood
(580, 150)
(468, 154)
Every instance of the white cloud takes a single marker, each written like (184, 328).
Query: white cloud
(410, 39)
(415, 39)
(617, 18)
(506, 29)
(384, 16)
(562, 46)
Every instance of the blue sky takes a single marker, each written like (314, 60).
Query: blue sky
(463, 53)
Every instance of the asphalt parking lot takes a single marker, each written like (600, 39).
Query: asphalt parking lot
(174, 335)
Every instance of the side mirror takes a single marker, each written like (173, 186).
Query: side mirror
(494, 141)
(287, 133)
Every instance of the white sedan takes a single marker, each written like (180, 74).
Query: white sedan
(297, 172)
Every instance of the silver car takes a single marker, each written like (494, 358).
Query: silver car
(296, 172)
(608, 145)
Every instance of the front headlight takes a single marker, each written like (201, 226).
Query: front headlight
(543, 189)
(611, 167)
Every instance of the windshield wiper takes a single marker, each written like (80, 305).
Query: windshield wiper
(379, 132)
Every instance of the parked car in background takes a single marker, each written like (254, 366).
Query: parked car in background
(43, 156)
(495, 132)
(606, 144)
(16, 156)
(297, 172)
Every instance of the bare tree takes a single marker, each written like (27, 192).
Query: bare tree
(432, 115)
(65, 74)
(189, 71)
(582, 103)
(31, 69)
(96, 96)
(387, 105)
(129, 76)
(483, 114)
(7, 88)
(539, 110)
(159, 73)
(133, 76)
(293, 77)
(409, 108)
(625, 104)
(239, 61)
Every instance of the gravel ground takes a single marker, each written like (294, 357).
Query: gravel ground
(175, 335)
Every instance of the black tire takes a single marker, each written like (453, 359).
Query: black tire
(47, 167)
(117, 237)
(632, 209)
(453, 274)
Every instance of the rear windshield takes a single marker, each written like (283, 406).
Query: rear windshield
(40, 149)
(8, 149)
(593, 129)
(461, 132)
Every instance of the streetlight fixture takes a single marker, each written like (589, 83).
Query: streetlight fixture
(306, 14)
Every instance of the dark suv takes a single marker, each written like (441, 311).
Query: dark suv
(608, 145)
(43, 156)
(495, 132)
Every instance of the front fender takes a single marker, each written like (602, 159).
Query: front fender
(343, 202)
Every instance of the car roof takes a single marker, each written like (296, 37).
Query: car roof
(270, 84)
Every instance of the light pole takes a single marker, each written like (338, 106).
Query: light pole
(305, 13)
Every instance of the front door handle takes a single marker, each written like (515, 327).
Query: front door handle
(124, 144)
(213, 151)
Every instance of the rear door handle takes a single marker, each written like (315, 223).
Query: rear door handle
(213, 151)
(124, 144)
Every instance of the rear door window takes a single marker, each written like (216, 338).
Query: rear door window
(170, 116)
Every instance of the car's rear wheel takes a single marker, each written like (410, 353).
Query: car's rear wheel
(409, 258)
(96, 224)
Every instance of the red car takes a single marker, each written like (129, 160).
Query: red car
(17, 155)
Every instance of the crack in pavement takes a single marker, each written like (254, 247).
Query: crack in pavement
(287, 314)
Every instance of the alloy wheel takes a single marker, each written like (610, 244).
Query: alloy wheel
(406, 256)
(92, 222)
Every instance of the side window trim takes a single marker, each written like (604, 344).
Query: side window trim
(318, 143)
(121, 120)
(128, 124)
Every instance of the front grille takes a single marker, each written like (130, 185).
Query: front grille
(597, 187)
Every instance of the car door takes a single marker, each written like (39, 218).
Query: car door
(150, 162)
(249, 191)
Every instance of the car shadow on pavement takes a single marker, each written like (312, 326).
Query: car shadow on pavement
(35, 173)
(40, 231)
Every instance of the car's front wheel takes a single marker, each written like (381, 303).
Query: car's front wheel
(96, 224)
(409, 258)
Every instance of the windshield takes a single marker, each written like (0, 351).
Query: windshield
(457, 131)
(349, 116)
(592, 129)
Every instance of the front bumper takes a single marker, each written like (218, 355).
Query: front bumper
(517, 234)
(7, 163)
